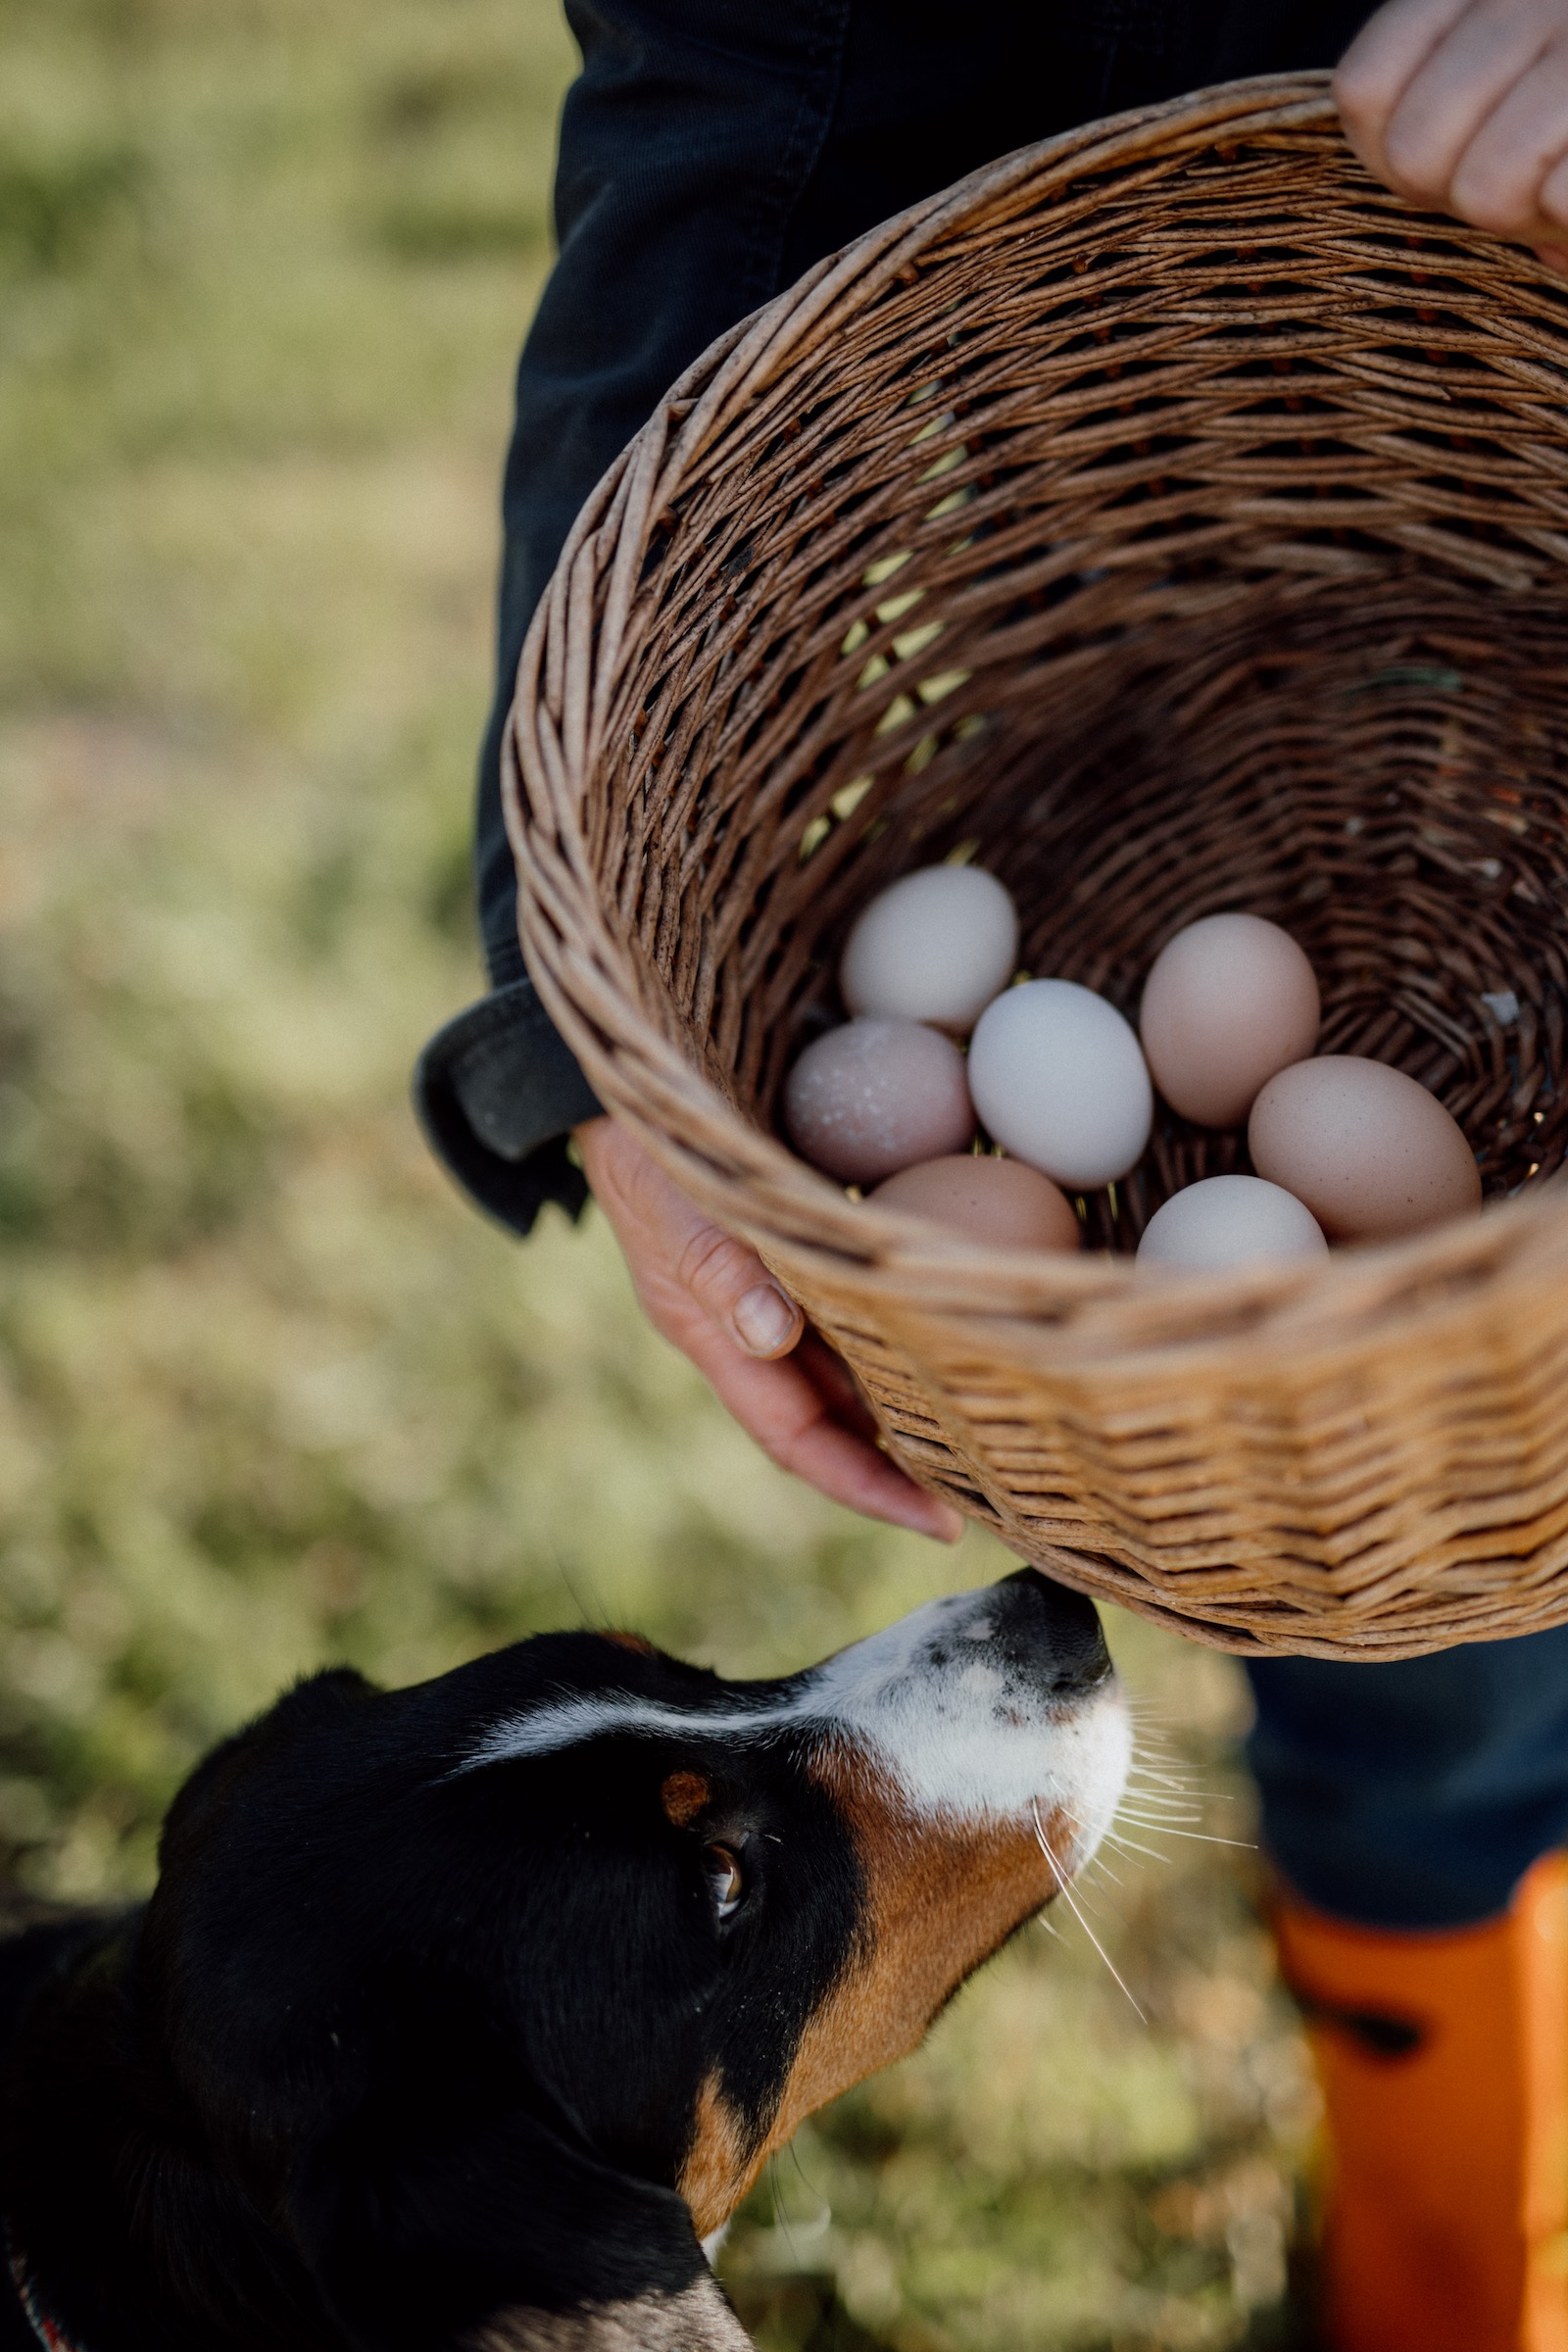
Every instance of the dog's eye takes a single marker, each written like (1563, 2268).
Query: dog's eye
(725, 1877)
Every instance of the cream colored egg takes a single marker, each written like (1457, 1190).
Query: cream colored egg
(1228, 1001)
(1227, 1221)
(876, 1096)
(1057, 1077)
(996, 1200)
(935, 946)
(1369, 1150)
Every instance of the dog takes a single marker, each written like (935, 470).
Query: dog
(461, 2015)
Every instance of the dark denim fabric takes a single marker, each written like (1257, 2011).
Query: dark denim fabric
(1414, 1796)
(709, 151)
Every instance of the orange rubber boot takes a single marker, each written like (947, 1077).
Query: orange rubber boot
(1443, 2060)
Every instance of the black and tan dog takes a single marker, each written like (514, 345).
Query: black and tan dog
(461, 2013)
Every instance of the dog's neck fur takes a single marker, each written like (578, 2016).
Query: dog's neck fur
(69, 2182)
(698, 2321)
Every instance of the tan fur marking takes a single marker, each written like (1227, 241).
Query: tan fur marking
(941, 1898)
(721, 2164)
(683, 1796)
(637, 1642)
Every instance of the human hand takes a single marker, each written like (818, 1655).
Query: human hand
(720, 1305)
(1462, 106)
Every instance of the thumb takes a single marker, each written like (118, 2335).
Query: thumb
(731, 1284)
(669, 1241)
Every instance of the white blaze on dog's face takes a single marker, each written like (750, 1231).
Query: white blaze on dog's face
(974, 1753)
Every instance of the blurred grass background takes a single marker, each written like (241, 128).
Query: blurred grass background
(272, 1395)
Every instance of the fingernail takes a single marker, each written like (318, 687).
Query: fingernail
(763, 1320)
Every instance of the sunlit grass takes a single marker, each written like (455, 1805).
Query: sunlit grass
(273, 1395)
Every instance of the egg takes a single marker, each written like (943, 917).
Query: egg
(1059, 1079)
(1230, 1221)
(876, 1096)
(1371, 1152)
(935, 946)
(996, 1200)
(1228, 1001)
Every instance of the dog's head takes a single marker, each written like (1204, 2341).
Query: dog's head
(498, 1990)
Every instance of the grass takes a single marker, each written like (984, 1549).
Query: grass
(272, 1395)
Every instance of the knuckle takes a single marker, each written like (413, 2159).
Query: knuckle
(712, 1262)
(1480, 197)
(1359, 95)
(1415, 172)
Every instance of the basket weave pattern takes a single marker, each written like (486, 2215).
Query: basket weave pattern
(1175, 517)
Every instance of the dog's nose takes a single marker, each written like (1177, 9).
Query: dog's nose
(1054, 1632)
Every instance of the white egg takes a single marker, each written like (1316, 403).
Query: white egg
(934, 947)
(1058, 1078)
(1230, 1221)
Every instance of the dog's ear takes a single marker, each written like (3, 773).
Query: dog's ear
(198, 1806)
(506, 2235)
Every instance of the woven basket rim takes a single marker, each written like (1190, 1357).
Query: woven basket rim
(1102, 1309)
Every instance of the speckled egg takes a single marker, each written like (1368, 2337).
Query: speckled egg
(996, 1200)
(1230, 1221)
(876, 1096)
(1228, 1001)
(1057, 1077)
(1371, 1152)
(935, 946)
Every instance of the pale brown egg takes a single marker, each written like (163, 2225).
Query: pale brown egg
(1369, 1150)
(1227, 1003)
(996, 1200)
(877, 1095)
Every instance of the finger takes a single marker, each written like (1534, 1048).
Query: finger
(1498, 181)
(665, 1235)
(1556, 258)
(673, 1253)
(1553, 202)
(778, 1404)
(1380, 64)
(830, 1376)
(730, 1283)
(1450, 96)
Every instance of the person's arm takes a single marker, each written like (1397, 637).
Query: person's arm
(1462, 106)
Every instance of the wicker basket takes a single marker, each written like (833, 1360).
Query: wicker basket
(1172, 514)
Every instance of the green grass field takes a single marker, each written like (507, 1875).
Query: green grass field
(272, 1395)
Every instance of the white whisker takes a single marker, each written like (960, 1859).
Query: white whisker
(1165, 1829)
(1060, 1876)
(1133, 1809)
(1161, 1821)
(1130, 1846)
